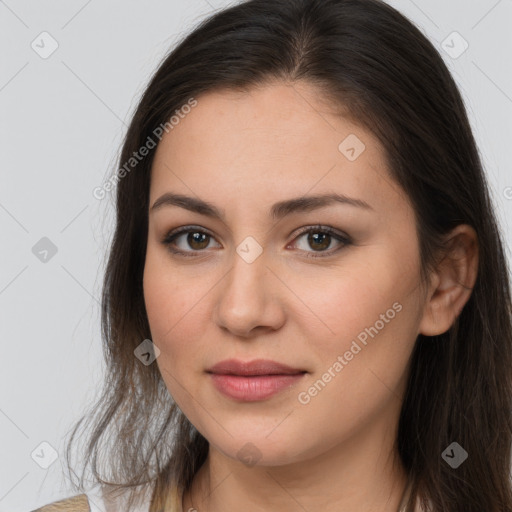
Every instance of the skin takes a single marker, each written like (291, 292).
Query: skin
(243, 152)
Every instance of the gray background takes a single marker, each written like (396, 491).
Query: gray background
(62, 121)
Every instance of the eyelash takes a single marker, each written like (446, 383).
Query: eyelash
(173, 235)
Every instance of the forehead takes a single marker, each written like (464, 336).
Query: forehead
(280, 116)
(270, 137)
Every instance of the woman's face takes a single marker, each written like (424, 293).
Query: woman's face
(265, 281)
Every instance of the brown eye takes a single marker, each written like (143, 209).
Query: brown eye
(319, 239)
(197, 239)
(187, 241)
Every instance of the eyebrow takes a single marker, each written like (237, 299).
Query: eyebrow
(278, 210)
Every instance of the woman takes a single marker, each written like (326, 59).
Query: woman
(307, 302)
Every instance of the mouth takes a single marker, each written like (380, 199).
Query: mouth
(257, 367)
(253, 380)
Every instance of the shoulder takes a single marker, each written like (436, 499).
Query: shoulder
(78, 503)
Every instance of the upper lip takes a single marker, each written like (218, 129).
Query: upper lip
(254, 367)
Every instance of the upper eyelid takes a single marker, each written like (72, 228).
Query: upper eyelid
(339, 235)
(320, 227)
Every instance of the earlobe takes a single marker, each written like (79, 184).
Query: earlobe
(452, 282)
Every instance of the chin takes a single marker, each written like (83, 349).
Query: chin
(260, 449)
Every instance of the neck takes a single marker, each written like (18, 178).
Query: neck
(362, 473)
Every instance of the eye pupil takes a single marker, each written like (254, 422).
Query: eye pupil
(192, 239)
(313, 238)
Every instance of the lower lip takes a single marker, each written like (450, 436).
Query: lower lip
(253, 388)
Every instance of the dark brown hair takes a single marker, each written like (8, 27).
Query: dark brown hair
(377, 68)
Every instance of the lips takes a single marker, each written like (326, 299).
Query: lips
(253, 368)
(253, 381)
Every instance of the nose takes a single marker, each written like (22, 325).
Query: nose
(248, 301)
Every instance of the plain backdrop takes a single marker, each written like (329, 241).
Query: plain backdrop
(62, 119)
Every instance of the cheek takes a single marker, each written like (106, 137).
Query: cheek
(167, 296)
(164, 300)
(341, 304)
(367, 315)
(175, 306)
(166, 312)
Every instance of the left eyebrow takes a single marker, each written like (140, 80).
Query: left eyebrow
(278, 210)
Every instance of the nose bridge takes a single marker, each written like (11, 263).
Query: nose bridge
(246, 280)
(244, 300)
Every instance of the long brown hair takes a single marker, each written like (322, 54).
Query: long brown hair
(380, 70)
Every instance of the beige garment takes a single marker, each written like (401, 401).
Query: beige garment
(96, 502)
(78, 503)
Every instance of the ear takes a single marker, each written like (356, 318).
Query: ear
(452, 282)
